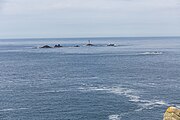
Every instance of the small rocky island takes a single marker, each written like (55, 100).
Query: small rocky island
(46, 46)
(113, 45)
(57, 46)
(88, 44)
(76, 46)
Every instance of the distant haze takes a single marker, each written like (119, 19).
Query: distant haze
(89, 18)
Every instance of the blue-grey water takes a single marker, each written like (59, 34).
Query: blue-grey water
(136, 80)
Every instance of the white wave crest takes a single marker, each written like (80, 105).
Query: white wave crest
(114, 117)
(12, 109)
(151, 53)
(51, 91)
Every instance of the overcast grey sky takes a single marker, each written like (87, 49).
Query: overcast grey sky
(89, 18)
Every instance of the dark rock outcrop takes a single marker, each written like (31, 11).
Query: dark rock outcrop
(57, 46)
(46, 46)
(90, 44)
(76, 46)
(111, 45)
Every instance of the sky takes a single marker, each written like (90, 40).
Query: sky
(89, 18)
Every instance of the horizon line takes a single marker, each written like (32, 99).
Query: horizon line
(88, 37)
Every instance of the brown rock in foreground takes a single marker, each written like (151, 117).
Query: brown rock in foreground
(172, 113)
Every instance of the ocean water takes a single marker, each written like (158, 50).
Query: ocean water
(136, 80)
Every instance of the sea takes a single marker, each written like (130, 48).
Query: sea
(137, 78)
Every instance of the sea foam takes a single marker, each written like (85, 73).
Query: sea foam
(114, 117)
(151, 53)
(131, 94)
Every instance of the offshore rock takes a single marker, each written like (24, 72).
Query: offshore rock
(111, 45)
(58, 46)
(46, 46)
(172, 113)
(89, 44)
(76, 46)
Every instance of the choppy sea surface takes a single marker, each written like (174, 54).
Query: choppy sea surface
(135, 80)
